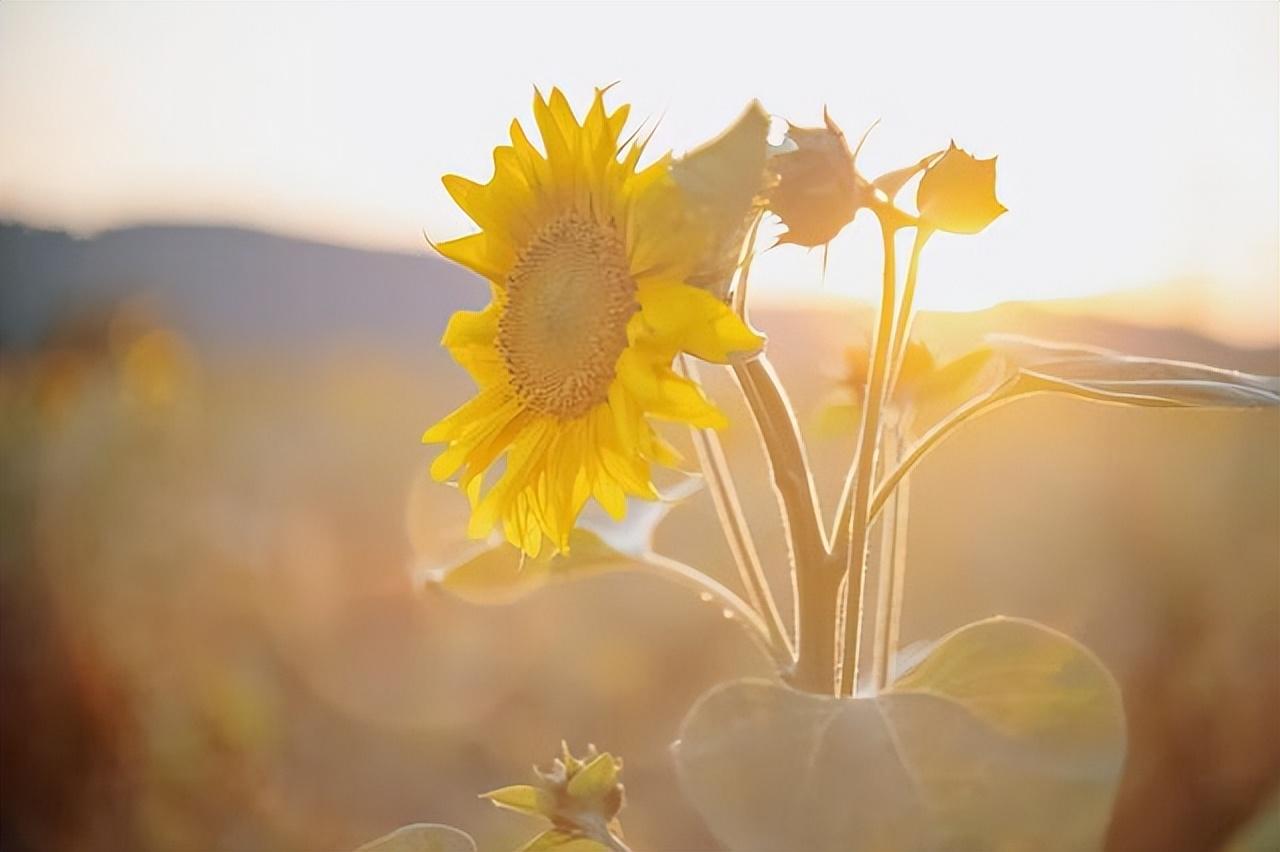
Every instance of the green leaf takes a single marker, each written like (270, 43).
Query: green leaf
(523, 798)
(1007, 736)
(720, 181)
(1033, 366)
(422, 837)
(498, 573)
(501, 574)
(1109, 376)
(725, 174)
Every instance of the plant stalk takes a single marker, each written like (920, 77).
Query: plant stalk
(794, 486)
(724, 494)
(891, 568)
(814, 584)
(906, 316)
(868, 439)
(971, 409)
(891, 564)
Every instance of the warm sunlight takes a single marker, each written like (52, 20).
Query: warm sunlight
(621, 427)
(335, 122)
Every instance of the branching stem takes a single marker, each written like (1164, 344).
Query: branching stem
(891, 565)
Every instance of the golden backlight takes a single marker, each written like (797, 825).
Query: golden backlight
(1137, 143)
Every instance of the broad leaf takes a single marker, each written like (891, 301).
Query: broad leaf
(497, 573)
(1007, 736)
(500, 574)
(720, 181)
(1110, 376)
(422, 837)
(1034, 366)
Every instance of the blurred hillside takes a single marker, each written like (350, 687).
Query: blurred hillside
(228, 287)
(213, 496)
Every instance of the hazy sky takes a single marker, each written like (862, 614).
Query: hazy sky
(1138, 143)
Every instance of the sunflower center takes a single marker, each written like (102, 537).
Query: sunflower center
(569, 297)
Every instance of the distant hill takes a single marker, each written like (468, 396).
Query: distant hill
(231, 288)
(227, 287)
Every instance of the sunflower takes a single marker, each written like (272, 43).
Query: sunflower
(587, 258)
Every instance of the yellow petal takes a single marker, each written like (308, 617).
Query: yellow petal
(478, 407)
(696, 321)
(479, 253)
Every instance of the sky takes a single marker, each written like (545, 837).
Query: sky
(1139, 144)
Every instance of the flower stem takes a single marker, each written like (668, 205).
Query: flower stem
(797, 495)
(868, 439)
(891, 570)
(902, 329)
(715, 469)
(814, 583)
(892, 561)
(971, 409)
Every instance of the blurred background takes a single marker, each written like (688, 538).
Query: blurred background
(219, 330)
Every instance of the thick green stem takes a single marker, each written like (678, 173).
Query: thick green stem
(793, 483)
(813, 581)
(868, 440)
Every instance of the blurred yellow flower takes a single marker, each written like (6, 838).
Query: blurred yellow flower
(926, 389)
(587, 258)
(958, 193)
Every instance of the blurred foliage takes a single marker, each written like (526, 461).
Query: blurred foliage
(924, 393)
(210, 634)
(1262, 833)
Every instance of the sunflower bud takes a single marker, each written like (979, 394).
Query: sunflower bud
(580, 796)
(818, 190)
(958, 193)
